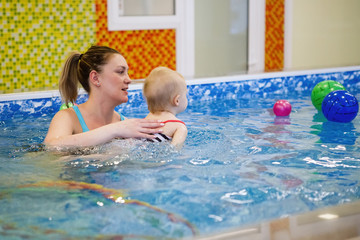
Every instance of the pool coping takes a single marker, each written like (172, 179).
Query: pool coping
(195, 81)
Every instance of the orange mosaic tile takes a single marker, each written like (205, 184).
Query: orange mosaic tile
(142, 49)
(274, 35)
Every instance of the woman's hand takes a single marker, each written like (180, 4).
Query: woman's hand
(137, 128)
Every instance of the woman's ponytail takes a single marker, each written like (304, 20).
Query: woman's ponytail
(68, 84)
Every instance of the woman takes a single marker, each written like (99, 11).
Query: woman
(103, 73)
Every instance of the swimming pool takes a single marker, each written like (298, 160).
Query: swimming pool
(240, 164)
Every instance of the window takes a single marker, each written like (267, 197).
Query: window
(227, 33)
(146, 7)
(144, 14)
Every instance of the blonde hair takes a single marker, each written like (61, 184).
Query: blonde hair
(161, 86)
(77, 68)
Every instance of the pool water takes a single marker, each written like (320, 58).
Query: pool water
(240, 165)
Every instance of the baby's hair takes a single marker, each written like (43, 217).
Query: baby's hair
(77, 68)
(160, 87)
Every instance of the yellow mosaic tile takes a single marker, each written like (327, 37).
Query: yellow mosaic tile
(36, 36)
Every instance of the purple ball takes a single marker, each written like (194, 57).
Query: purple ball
(282, 108)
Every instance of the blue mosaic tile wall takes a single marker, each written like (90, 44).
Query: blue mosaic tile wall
(273, 88)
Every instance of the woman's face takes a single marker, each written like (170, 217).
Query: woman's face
(114, 78)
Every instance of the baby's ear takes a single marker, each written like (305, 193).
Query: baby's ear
(176, 100)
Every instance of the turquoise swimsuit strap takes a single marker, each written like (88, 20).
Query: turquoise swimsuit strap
(81, 119)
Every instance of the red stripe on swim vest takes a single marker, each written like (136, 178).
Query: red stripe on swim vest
(174, 121)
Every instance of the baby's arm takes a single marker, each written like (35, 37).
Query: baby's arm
(179, 136)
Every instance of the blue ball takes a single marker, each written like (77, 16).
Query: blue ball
(340, 106)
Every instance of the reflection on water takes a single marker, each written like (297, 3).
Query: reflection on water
(278, 120)
(334, 132)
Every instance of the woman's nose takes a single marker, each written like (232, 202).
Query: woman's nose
(128, 79)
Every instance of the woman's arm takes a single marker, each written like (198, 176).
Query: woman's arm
(61, 131)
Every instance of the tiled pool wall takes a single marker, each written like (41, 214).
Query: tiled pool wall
(255, 87)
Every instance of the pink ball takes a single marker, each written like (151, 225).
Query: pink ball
(282, 108)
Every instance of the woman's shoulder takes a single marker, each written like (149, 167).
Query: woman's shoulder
(65, 116)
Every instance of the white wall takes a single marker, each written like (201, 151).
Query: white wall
(220, 37)
(325, 33)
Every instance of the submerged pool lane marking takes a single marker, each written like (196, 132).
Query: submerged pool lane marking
(114, 195)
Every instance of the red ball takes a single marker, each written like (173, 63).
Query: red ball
(282, 108)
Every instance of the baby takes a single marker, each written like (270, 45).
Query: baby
(165, 93)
